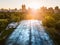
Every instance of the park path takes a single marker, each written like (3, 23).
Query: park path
(29, 32)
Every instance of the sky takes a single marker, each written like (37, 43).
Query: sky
(29, 3)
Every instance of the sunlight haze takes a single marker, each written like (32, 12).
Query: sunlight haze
(29, 3)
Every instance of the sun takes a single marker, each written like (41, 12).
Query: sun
(34, 5)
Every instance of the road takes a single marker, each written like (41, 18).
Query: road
(29, 32)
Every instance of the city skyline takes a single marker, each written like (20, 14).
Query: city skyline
(29, 3)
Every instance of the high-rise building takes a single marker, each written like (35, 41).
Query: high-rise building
(23, 8)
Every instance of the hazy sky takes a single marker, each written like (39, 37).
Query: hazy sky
(28, 3)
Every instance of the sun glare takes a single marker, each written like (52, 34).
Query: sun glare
(34, 5)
